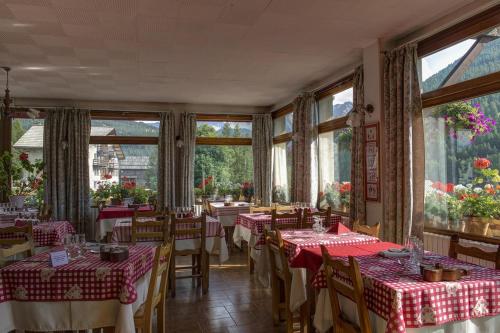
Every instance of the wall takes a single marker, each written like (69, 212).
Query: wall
(372, 66)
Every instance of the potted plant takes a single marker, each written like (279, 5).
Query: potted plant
(247, 190)
(345, 196)
(208, 188)
(19, 177)
(102, 193)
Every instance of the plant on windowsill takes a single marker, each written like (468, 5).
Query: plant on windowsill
(19, 177)
(247, 190)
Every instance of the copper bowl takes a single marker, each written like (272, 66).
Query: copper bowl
(453, 274)
(431, 274)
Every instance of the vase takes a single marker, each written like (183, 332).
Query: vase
(17, 201)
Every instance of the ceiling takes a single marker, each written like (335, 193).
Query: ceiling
(235, 52)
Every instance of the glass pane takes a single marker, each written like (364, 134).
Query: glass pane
(224, 129)
(282, 172)
(124, 128)
(462, 157)
(462, 61)
(122, 165)
(335, 169)
(283, 124)
(222, 170)
(335, 106)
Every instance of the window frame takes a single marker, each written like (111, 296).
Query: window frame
(220, 141)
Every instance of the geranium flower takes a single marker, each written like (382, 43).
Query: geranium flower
(460, 188)
(488, 188)
(23, 156)
(345, 187)
(482, 163)
(450, 187)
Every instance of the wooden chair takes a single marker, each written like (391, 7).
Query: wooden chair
(366, 229)
(471, 251)
(354, 292)
(44, 212)
(281, 282)
(266, 210)
(307, 218)
(154, 228)
(156, 297)
(281, 208)
(194, 228)
(297, 216)
(12, 244)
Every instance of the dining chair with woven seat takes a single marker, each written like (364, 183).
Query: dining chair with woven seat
(192, 227)
(366, 229)
(150, 226)
(294, 220)
(307, 217)
(281, 282)
(471, 251)
(354, 290)
(15, 241)
(156, 295)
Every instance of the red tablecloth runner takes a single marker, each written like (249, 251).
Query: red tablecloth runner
(257, 222)
(86, 279)
(122, 231)
(120, 212)
(218, 209)
(47, 233)
(295, 241)
(406, 301)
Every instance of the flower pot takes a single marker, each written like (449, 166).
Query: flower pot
(17, 201)
(477, 225)
(116, 202)
(127, 201)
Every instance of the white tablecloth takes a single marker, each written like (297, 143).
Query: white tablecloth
(74, 315)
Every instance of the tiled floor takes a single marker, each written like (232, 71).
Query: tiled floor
(236, 302)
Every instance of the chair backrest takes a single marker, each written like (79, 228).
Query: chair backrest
(161, 267)
(283, 208)
(295, 220)
(366, 229)
(456, 248)
(325, 215)
(190, 227)
(15, 240)
(149, 226)
(266, 210)
(355, 292)
(277, 257)
(207, 207)
(44, 212)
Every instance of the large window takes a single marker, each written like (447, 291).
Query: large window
(223, 157)
(462, 141)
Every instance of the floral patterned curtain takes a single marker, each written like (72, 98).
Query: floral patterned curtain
(262, 145)
(186, 161)
(66, 138)
(403, 146)
(357, 199)
(304, 149)
(166, 161)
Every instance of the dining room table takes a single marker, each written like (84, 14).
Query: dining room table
(86, 293)
(401, 301)
(215, 242)
(45, 234)
(227, 214)
(108, 216)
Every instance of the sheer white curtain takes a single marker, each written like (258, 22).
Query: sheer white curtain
(280, 171)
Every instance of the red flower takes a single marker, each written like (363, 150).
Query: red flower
(482, 163)
(462, 196)
(450, 187)
(23, 156)
(345, 187)
(321, 194)
(108, 176)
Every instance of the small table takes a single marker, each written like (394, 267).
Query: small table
(215, 241)
(227, 214)
(86, 293)
(108, 217)
(47, 234)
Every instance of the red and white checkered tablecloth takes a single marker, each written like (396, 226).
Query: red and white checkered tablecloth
(47, 233)
(122, 231)
(295, 241)
(86, 279)
(257, 222)
(407, 301)
(218, 209)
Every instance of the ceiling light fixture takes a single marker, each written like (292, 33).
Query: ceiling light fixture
(7, 100)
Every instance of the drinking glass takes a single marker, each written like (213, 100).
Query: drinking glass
(81, 242)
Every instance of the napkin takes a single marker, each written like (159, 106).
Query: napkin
(338, 228)
(391, 254)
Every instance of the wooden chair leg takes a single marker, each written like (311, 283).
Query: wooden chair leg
(205, 272)
(250, 261)
(304, 318)
(193, 269)
(172, 276)
(160, 316)
(275, 301)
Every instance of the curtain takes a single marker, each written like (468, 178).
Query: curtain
(304, 176)
(280, 172)
(66, 156)
(187, 152)
(357, 199)
(166, 161)
(403, 146)
(262, 145)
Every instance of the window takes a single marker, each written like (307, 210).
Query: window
(462, 141)
(282, 171)
(335, 106)
(283, 124)
(223, 156)
(127, 127)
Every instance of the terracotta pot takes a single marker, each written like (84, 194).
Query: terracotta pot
(17, 201)
(477, 225)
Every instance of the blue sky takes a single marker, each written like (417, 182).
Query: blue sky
(439, 60)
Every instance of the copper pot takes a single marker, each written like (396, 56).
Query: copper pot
(431, 274)
(453, 274)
